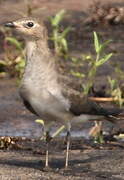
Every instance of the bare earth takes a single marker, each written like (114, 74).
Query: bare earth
(27, 162)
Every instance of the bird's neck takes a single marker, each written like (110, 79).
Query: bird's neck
(36, 49)
(40, 64)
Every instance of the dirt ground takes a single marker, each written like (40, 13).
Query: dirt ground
(84, 165)
(87, 161)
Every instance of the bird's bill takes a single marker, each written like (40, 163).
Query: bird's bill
(10, 24)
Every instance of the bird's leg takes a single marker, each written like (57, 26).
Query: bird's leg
(68, 146)
(48, 139)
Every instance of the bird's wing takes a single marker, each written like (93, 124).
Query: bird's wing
(80, 104)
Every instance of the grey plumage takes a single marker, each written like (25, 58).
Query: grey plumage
(45, 91)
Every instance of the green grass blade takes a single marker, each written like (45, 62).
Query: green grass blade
(104, 45)
(96, 42)
(58, 17)
(104, 59)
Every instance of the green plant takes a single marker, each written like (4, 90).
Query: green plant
(99, 139)
(20, 59)
(58, 37)
(92, 62)
(117, 94)
(115, 91)
(14, 60)
(95, 63)
(4, 32)
(96, 133)
(77, 74)
(112, 83)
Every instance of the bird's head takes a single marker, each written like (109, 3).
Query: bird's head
(29, 28)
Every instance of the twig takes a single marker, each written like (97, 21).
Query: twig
(104, 99)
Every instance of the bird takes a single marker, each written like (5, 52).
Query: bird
(45, 91)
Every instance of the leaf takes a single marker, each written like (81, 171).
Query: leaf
(20, 64)
(96, 42)
(86, 89)
(40, 121)
(75, 60)
(104, 59)
(64, 43)
(112, 82)
(15, 42)
(104, 45)
(58, 17)
(58, 131)
(65, 32)
(77, 74)
(117, 93)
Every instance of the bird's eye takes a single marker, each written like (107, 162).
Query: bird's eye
(30, 24)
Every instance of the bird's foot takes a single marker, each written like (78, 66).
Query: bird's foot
(47, 169)
(66, 170)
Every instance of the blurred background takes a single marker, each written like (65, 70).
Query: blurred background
(79, 26)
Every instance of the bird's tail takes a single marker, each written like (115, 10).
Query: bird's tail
(86, 117)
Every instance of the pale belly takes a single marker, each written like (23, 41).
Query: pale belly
(47, 106)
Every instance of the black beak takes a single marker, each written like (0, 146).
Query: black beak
(10, 24)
